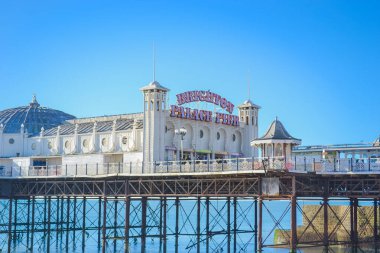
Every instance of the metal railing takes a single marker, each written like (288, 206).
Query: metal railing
(294, 164)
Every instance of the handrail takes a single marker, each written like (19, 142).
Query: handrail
(293, 164)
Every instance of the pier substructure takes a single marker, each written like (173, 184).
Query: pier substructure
(210, 210)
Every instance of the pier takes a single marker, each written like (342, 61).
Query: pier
(121, 204)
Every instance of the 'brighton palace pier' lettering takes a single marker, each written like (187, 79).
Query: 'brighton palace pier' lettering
(204, 115)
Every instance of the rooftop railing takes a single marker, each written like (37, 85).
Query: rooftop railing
(262, 165)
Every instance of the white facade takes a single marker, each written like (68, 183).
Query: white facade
(148, 136)
(203, 139)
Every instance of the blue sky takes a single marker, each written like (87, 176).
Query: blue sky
(314, 64)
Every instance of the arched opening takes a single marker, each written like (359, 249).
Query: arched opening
(278, 150)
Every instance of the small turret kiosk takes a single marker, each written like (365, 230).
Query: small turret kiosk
(276, 142)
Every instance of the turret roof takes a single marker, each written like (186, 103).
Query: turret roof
(277, 131)
(154, 86)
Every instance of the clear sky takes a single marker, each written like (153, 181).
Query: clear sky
(314, 64)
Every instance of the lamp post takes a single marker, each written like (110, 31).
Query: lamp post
(181, 132)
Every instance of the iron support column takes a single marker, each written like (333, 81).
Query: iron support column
(143, 223)
(207, 224)
(15, 222)
(67, 223)
(164, 226)
(10, 225)
(228, 225)
(104, 226)
(176, 203)
(57, 221)
(260, 228)
(49, 223)
(293, 240)
(99, 220)
(74, 220)
(325, 222)
(84, 223)
(235, 224)
(32, 230)
(115, 225)
(375, 226)
(126, 226)
(198, 224)
(355, 220)
(255, 224)
(28, 224)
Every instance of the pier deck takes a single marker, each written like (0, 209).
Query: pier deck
(234, 183)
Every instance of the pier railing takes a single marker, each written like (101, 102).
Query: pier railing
(294, 164)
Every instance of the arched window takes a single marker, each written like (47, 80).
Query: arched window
(158, 106)
(278, 149)
(269, 150)
(151, 105)
(247, 120)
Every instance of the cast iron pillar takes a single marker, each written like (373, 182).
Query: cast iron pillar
(104, 226)
(164, 225)
(255, 224)
(176, 203)
(143, 223)
(126, 225)
(198, 224)
(293, 239)
(375, 225)
(354, 220)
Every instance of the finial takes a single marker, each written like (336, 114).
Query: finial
(34, 101)
(276, 118)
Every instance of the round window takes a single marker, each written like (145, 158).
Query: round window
(233, 137)
(85, 143)
(201, 134)
(33, 146)
(104, 142)
(11, 141)
(217, 135)
(124, 140)
(50, 146)
(67, 144)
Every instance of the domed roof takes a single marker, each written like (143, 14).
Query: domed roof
(33, 117)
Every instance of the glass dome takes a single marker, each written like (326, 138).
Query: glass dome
(32, 117)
